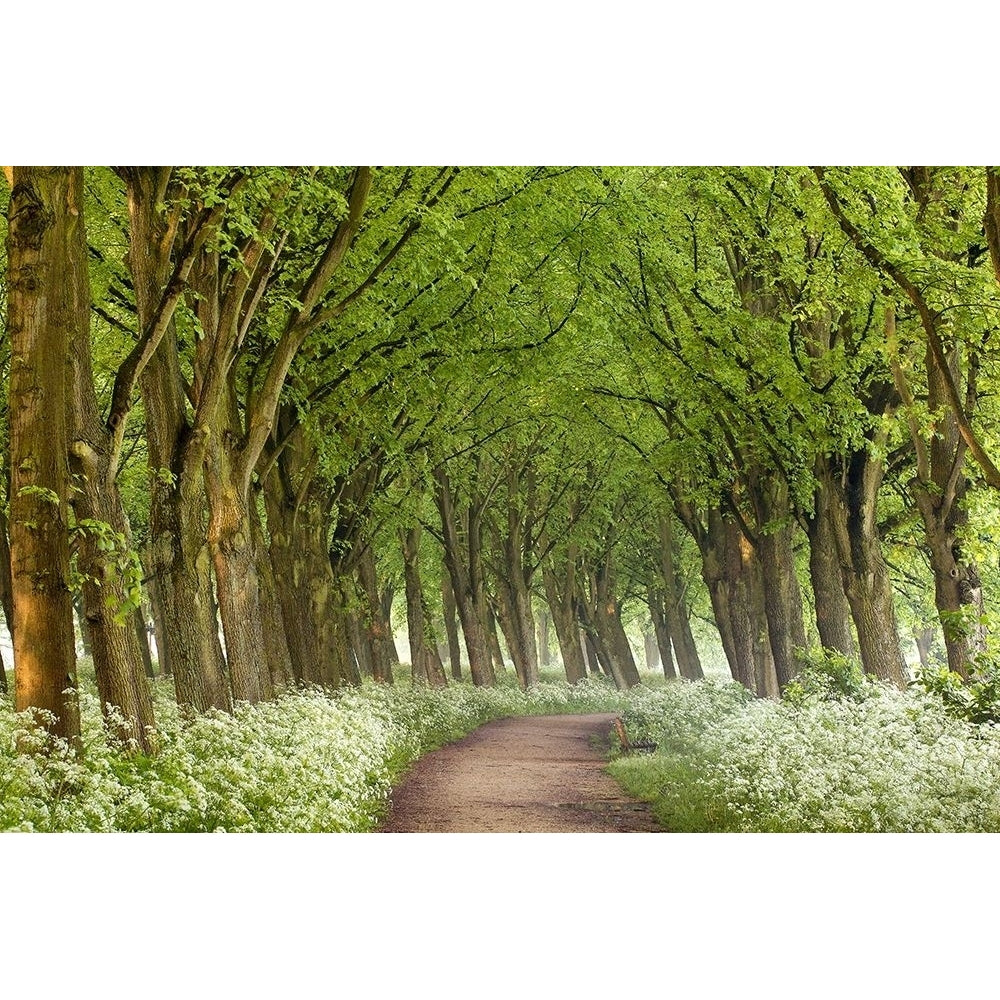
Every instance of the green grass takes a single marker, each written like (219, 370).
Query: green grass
(672, 786)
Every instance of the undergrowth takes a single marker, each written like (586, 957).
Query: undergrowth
(840, 753)
(309, 761)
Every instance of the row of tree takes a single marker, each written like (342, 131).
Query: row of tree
(262, 402)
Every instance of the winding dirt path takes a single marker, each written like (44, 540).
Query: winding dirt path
(542, 774)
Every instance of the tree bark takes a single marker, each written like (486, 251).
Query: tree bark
(104, 546)
(732, 573)
(782, 598)
(464, 585)
(425, 663)
(605, 616)
(675, 607)
(450, 614)
(180, 561)
(661, 631)
(377, 628)
(865, 574)
(561, 595)
(833, 612)
(230, 537)
(276, 651)
(544, 649)
(42, 321)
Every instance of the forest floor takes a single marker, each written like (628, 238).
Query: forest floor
(541, 774)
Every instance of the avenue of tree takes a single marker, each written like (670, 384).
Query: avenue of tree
(265, 414)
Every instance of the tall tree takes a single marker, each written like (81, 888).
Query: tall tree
(47, 310)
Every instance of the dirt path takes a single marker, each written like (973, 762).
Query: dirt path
(524, 775)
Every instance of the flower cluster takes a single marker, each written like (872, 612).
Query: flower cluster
(890, 761)
(309, 761)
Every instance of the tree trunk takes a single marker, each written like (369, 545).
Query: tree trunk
(464, 586)
(650, 650)
(105, 556)
(179, 559)
(450, 613)
(782, 598)
(732, 573)
(560, 593)
(142, 635)
(958, 591)
(376, 627)
(276, 651)
(661, 631)
(593, 660)
(493, 635)
(865, 574)
(675, 607)
(230, 535)
(386, 600)
(833, 612)
(924, 637)
(424, 660)
(606, 618)
(42, 322)
(544, 650)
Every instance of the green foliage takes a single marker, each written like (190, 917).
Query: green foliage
(826, 675)
(120, 566)
(976, 700)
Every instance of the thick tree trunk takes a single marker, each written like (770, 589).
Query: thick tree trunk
(307, 592)
(110, 600)
(180, 562)
(360, 648)
(182, 566)
(505, 621)
(833, 612)
(513, 589)
(492, 635)
(560, 592)
(348, 635)
(782, 598)
(386, 600)
(276, 651)
(661, 631)
(594, 664)
(425, 663)
(518, 625)
(675, 607)
(110, 623)
(732, 573)
(958, 591)
(230, 535)
(598, 652)
(380, 640)
(865, 574)
(605, 615)
(464, 586)
(42, 322)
